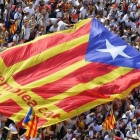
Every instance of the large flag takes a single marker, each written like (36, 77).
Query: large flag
(30, 122)
(66, 73)
(13, 28)
(110, 120)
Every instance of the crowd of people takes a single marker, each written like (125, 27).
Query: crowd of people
(34, 18)
(38, 17)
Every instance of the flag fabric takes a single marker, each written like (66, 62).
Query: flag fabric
(43, 135)
(66, 73)
(75, 15)
(3, 28)
(13, 28)
(110, 120)
(7, 20)
(30, 122)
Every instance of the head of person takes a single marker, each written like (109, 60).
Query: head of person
(133, 128)
(127, 113)
(128, 13)
(137, 24)
(19, 10)
(6, 34)
(55, 25)
(134, 121)
(14, 124)
(92, 115)
(90, 128)
(95, 123)
(110, 134)
(30, 5)
(70, 131)
(15, 40)
(78, 129)
(98, 3)
(132, 107)
(33, 18)
(81, 118)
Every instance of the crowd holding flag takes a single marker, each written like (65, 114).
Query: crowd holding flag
(30, 122)
(110, 120)
(77, 70)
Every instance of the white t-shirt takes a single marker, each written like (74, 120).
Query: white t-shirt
(0, 13)
(31, 11)
(70, 123)
(97, 128)
(125, 119)
(99, 8)
(53, 29)
(91, 134)
(88, 119)
(76, 133)
(53, 20)
(1, 1)
(107, 138)
(26, 33)
(59, 13)
(83, 12)
(75, 2)
(61, 26)
(34, 138)
(125, 17)
(67, 136)
(12, 129)
(16, 16)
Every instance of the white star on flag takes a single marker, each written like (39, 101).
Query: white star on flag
(29, 116)
(114, 51)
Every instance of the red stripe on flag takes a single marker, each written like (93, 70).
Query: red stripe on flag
(4, 107)
(42, 45)
(82, 75)
(51, 65)
(121, 84)
(74, 16)
(31, 128)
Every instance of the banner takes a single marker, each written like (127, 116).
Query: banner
(66, 73)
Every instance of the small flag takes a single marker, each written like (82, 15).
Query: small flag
(43, 134)
(7, 20)
(30, 122)
(110, 120)
(13, 28)
(75, 16)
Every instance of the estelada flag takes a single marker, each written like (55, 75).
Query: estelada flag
(13, 28)
(110, 120)
(66, 73)
(30, 122)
